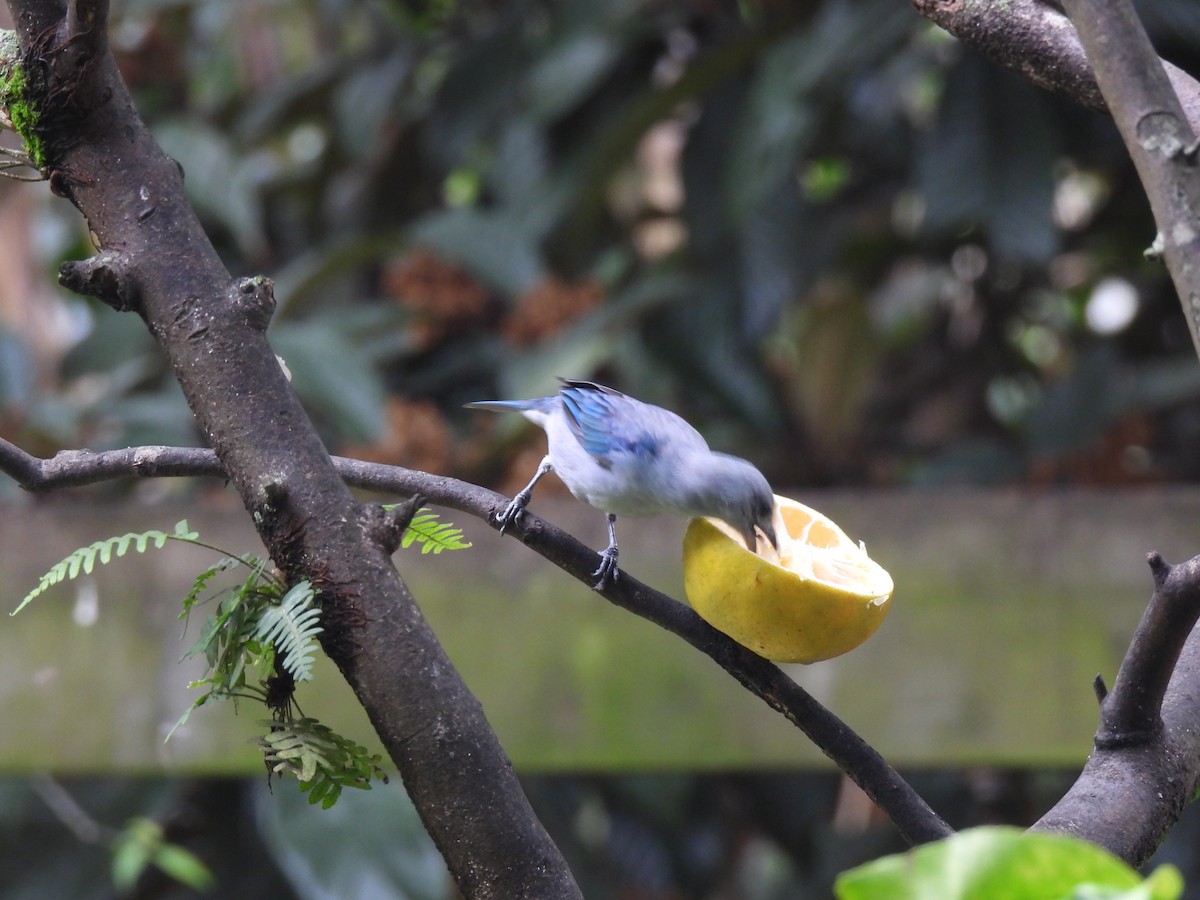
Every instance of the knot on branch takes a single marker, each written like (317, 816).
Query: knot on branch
(1112, 739)
(254, 299)
(106, 277)
(1163, 132)
(384, 525)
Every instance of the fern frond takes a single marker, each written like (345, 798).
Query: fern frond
(84, 559)
(432, 535)
(199, 702)
(322, 760)
(227, 627)
(292, 627)
(201, 581)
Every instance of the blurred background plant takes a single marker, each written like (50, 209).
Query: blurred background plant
(821, 231)
(830, 237)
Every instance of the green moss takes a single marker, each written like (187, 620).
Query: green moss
(16, 98)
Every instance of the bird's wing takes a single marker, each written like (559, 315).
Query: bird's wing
(610, 425)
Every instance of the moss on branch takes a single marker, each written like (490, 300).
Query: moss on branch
(17, 98)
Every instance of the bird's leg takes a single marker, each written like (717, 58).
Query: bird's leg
(608, 571)
(512, 513)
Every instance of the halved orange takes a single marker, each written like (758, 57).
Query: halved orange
(819, 596)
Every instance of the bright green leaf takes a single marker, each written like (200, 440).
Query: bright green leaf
(998, 862)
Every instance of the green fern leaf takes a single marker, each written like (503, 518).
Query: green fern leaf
(322, 760)
(201, 582)
(432, 535)
(292, 627)
(84, 559)
(199, 702)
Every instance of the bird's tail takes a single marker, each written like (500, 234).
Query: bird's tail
(542, 404)
(536, 411)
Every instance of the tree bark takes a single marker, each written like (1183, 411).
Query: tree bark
(156, 260)
(1146, 763)
(1034, 38)
(1156, 133)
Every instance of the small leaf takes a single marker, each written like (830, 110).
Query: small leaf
(433, 536)
(133, 850)
(184, 866)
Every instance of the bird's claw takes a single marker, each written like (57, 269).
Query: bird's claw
(512, 513)
(607, 572)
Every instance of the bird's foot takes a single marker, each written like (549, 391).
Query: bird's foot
(512, 513)
(607, 572)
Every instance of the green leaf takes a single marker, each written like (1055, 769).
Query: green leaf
(133, 850)
(84, 559)
(433, 536)
(1000, 862)
(292, 627)
(201, 582)
(200, 701)
(322, 761)
(184, 866)
(142, 844)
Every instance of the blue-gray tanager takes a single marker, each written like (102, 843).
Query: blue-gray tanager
(629, 458)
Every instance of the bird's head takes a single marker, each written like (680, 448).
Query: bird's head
(737, 493)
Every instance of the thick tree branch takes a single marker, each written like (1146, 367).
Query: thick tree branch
(1155, 105)
(156, 259)
(1146, 764)
(1131, 712)
(1147, 759)
(1036, 39)
(1155, 131)
(914, 819)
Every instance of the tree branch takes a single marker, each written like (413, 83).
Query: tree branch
(1131, 712)
(156, 260)
(1147, 759)
(1035, 39)
(914, 819)
(1146, 764)
(1156, 134)
(1155, 105)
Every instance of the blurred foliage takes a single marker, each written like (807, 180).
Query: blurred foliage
(832, 238)
(836, 241)
(719, 836)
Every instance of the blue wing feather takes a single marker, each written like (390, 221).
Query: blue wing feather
(601, 420)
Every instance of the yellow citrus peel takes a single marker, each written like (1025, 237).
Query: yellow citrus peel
(819, 596)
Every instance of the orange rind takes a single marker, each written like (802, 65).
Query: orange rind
(816, 597)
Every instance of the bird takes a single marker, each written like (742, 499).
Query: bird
(629, 458)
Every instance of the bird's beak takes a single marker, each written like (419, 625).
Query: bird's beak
(751, 538)
(768, 529)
